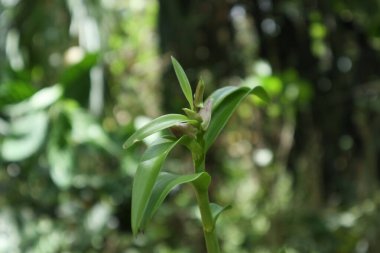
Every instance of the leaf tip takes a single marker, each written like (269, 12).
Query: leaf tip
(174, 60)
(260, 92)
(127, 144)
(183, 81)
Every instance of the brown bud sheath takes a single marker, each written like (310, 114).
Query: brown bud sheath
(181, 129)
(205, 114)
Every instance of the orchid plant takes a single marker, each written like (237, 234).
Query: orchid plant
(196, 129)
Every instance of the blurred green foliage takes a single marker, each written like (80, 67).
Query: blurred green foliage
(77, 77)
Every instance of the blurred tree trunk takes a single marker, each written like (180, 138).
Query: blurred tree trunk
(367, 174)
(198, 33)
(285, 41)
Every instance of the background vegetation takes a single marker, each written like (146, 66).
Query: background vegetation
(78, 76)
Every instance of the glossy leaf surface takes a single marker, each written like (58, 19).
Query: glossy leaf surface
(183, 81)
(225, 102)
(154, 126)
(145, 178)
(217, 96)
(164, 184)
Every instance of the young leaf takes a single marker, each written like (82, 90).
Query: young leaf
(145, 178)
(198, 96)
(154, 126)
(164, 184)
(192, 114)
(183, 81)
(216, 210)
(227, 101)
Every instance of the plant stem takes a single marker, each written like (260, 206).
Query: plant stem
(211, 239)
(208, 224)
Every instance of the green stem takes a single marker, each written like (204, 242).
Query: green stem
(208, 224)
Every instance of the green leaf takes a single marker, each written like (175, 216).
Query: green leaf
(183, 81)
(27, 134)
(145, 178)
(154, 126)
(261, 93)
(216, 210)
(202, 183)
(192, 114)
(198, 96)
(225, 102)
(218, 95)
(40, 100)
(15, 91)
(61, 160)
(164, 184)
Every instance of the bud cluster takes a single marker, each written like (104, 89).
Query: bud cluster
(201, 114)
